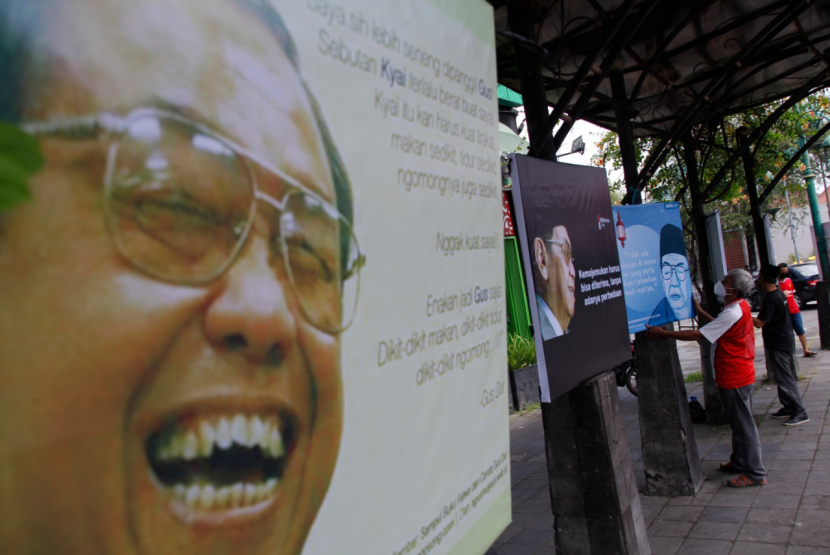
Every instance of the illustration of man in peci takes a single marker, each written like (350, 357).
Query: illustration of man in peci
(173, 293)
(674, 274)
(555, 282)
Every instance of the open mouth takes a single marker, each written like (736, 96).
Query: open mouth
(675, 296)
(221, 462)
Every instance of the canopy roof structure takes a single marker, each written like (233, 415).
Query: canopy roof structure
(657, 67)
(678, 60)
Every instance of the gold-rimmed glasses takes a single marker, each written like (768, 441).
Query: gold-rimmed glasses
(180, 201)
(566, 249)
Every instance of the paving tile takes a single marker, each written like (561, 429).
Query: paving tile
(724, 514)
(690, 514)
(812, 517)
(532, 536)
(784, 517)
(509, 532)
(669, 528)
(775, 476)
(781, 488)
(811, 535)
(818, 502)
(694, 546)
(816, 488)
(515, 549)
(715, 530)
(543, 521)
(805, 550)
(729, 500)
(781, 464)
(746, 548)
(776, 501)
(765, 533)
(664, 545)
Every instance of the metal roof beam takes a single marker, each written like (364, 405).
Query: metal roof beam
(582, 73)
(683, 123)
(608, 63)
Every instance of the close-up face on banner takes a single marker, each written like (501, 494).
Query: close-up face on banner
(654, 263)
(252, 295)
(568, 248)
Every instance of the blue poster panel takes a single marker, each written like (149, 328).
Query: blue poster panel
(654, 264)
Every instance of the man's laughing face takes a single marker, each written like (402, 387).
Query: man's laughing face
(144, 416)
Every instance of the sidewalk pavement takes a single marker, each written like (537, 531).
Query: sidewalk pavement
(788, 516)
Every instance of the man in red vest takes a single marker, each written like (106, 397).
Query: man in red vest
(787, 287)
(733, 352)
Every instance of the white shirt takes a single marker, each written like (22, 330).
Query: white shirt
(720, 325)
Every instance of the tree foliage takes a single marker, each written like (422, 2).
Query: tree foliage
(714, 143)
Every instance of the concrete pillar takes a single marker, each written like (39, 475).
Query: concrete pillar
(670, 458)
(594, 497)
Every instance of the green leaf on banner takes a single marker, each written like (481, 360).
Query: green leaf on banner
(20, 157)
(14, 186)
(21, 147)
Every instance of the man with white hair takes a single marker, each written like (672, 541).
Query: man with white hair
(733, 347)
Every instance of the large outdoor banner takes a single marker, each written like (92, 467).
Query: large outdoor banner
(573, 273)
(654, 263)
(251, 278)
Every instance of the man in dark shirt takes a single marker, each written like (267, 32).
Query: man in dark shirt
(777, 330)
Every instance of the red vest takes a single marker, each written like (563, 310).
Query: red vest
(735, 353)
(788, 289)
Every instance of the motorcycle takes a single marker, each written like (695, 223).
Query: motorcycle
(626, 373)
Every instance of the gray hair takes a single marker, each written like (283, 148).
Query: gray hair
(741, 282)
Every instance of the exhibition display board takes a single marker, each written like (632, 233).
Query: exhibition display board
(573, 275)
(255, 302)
(654, 263)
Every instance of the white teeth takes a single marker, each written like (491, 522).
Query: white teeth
(208, 497)
(250, 494)
(276, 448)
(192, 495)
(207, 437)
(256, 431)
(223, 434)
(236, 494)
(199, 440)
(239, 430)
(191, 446)
(223, 497)
(174, 447)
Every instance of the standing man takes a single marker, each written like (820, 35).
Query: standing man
(777, 329)
(555, 282)
(733, 348)
(787, 287)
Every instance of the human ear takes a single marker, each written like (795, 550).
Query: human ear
(539, 255)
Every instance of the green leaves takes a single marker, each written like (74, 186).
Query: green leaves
(20, 158)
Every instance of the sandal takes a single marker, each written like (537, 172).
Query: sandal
(729, 468)
(809, 354)
(742, 481)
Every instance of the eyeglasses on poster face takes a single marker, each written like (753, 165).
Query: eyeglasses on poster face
(566, 250)
(180, 201)
(680, 270)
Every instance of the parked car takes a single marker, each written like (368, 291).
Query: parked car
(804, 276)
